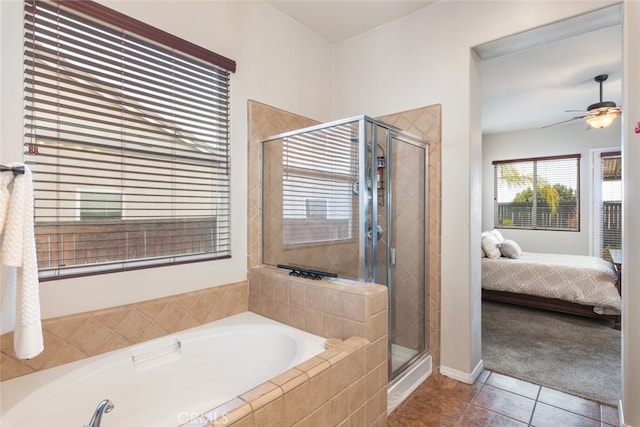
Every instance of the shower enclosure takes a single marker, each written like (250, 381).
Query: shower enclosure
(350, 198)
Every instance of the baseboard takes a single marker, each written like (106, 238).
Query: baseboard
(463, 376)
(620, 414)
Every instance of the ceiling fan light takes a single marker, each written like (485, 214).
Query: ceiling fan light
(601, 121)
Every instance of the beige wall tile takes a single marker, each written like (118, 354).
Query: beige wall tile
(356, 394)
(320, 387)
(333, 301)
(170, 317)
(90, 336)
(314, 321)
(321, 417)
(339, 375)
(296, 293)
(354, 307)
(352, 328)
(357, 364)
(333, 326)
(270, 415)
(372, 410)
(313, 298)
(296, 404)
(340, 407)
(357, 418)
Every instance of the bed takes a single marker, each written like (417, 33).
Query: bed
(575, 284)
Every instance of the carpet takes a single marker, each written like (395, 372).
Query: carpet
(564, 352)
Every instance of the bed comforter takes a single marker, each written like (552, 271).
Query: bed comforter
(580, 279)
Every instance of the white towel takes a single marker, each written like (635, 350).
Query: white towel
(5, 196)
(8, 310)
(19, 251)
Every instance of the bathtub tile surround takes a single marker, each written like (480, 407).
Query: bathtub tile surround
(78, 336)
(346, 382)
(328, 308)
(345, 385)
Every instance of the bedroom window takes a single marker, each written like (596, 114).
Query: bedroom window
(118, 110)
(610, 174)
(538, 193)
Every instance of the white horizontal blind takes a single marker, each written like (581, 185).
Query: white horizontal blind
(320, 171)
(611, 193)
(128, 143)
(538, 193)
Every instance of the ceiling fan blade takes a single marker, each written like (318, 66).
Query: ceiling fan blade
(564, 121)
(575, 111)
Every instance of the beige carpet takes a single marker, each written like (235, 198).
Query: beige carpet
(573, 354)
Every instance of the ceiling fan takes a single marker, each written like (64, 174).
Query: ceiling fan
(598, 115)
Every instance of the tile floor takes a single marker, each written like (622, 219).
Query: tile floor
(496, 400)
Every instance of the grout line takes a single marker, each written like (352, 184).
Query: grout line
(535, 405)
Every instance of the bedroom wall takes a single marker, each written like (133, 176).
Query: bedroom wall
(565, 139)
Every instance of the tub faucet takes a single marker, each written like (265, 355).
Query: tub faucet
(104, 406)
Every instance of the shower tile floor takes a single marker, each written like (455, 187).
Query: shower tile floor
(496, 400)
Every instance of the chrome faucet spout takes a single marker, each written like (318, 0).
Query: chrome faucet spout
(103, 407)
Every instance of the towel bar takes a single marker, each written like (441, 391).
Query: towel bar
(17, 170)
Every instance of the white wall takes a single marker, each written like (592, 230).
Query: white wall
(420, 60)
(279, 62)
(570, 138)
(425, 59)
(631, 213)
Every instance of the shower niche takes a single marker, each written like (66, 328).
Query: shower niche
(349, 198)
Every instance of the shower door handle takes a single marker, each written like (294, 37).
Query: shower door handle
(392, 253)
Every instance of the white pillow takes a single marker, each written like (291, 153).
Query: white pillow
(510, 249)
(498, 235)
(490, 246)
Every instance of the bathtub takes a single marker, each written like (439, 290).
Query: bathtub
(164, 382)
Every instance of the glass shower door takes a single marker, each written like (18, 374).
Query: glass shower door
(406, 210)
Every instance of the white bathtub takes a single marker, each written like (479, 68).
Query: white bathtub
(163, 382)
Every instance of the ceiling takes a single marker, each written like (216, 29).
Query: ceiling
(528, 80)
(338, 20)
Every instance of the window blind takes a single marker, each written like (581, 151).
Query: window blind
(611, 209)
(128, 140)
(318, 178)
(538, 193)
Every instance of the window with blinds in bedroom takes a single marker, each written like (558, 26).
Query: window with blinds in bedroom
(538, 193)
(127, 136)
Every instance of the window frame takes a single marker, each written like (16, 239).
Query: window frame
(114, 23)
(574, 216)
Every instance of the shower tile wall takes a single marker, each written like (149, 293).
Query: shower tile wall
(265, 121)
(408, 223)
(340, 257)
(425, 123)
